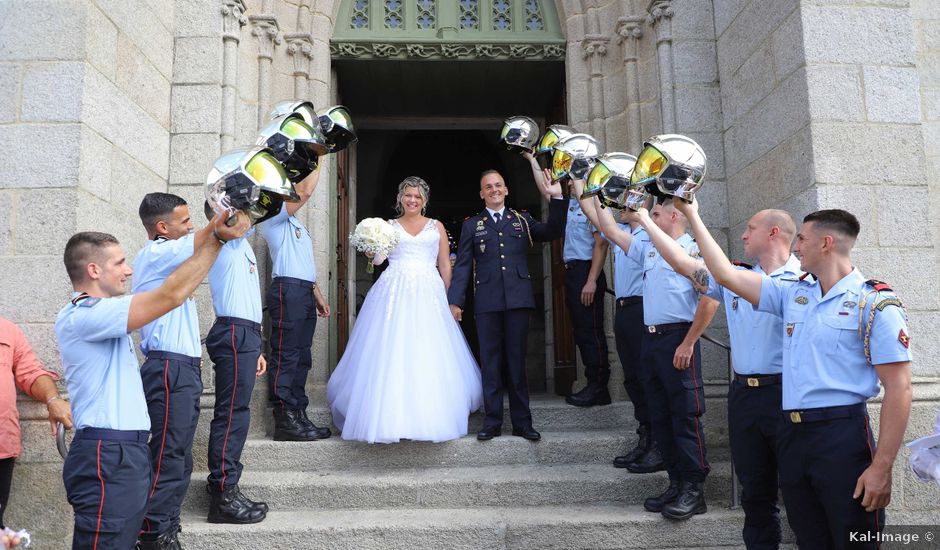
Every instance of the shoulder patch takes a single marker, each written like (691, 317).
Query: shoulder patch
(467, 218)
(878, 285)
(744, 265)
(889, 302)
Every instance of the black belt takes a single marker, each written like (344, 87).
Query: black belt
(667, 327)
(574, 263)
(825, 413)
(139, 436)
(238, 321)
(758, 380)
(629, 301)
(194, 361)
(294, 281)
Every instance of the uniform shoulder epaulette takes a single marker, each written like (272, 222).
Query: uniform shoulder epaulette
(805, 275)
(467, 218)
(879, 285)
(84, 300)
(742, 264)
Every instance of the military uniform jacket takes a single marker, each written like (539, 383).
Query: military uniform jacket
(494, 257)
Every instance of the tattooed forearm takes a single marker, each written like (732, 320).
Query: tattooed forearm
(700, 280)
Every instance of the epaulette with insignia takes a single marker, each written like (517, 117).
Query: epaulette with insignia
(742, 264)
(878, 285)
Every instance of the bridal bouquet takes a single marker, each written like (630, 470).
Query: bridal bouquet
(375, 238)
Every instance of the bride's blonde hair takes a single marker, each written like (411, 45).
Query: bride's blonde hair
(423, 189)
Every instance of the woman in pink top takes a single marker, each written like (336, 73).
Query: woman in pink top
(19, 367)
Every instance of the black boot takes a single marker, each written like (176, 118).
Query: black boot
(644, 437)
(161, 541)
(691, 501)
(656, 504)
(263, 506)
(321, 433)
(288, 426)
(651, 461)
(594, 393)
(226, 507)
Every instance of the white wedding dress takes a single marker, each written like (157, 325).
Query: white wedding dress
(407, 372)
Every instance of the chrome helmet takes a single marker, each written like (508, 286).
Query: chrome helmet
(520, 133)
(249, 179)
(670, 165)
(337, 128)
(299, 106)
(574, 157)
(609, 180)
(294, 143)
(546, 146)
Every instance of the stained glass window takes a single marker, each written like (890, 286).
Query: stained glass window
(393, 14)
(469, 14)
(360, 14)
(533, 16)
(502, 15)
(426, 14)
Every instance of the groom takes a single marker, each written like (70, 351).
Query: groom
(496, 242)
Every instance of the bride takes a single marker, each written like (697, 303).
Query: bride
(407, 372)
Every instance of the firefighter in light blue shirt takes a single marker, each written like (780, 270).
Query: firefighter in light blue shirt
(171, 373)
(841, 336)
(294, 302)
(754, 398)
(107, 473)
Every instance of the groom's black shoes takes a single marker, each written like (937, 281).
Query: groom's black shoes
(489, 433)
(527, 433)
(289, 426)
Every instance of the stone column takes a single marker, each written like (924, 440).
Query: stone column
(300, 48)
(629, 32)
(233, 19)
(594, 48)
(265, 27)
(660, 18)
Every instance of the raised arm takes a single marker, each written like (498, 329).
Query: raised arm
(443, 257)
(305, 189)
(543, 179)
(602, 218)
(674, 254)
(742, 282)
(147, 306)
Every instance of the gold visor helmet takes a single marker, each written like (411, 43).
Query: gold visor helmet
(296, 106)
(249, 179)
(670, 165)
(294, 143)
(609, 180)
(574, 157)
(519, 134)
(337, 127)
(546, 147)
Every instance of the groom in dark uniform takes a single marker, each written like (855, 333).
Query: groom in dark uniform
(492, 250)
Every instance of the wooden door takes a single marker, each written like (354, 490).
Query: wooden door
(342, 251)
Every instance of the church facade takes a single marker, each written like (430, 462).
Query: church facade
(798, 104)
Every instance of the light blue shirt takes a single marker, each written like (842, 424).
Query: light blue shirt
(290, 245)
(101, 369)
(824, 363)
(756, 346)
(628, 273)
(501, 211)
(178, 330)
(579, 234)
(233, 280)
(668, 296)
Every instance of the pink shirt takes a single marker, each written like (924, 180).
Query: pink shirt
(18, 367)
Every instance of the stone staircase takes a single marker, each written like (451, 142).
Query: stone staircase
(561, 492)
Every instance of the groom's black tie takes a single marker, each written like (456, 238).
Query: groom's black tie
(496, 217)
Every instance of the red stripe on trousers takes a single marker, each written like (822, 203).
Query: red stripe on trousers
(231, 407)
(166, 420)
(280, 340)
(698, 409)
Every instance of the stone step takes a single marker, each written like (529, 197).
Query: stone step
(577, 447)
(600, 526)
(474, 486)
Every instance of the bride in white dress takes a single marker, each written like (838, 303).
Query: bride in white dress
(407, 372)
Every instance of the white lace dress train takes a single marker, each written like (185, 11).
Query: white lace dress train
(407, 372)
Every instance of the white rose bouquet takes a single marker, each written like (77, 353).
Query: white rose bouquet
(375, 238)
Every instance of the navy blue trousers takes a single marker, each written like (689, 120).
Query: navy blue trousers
(503, 336)
(293, 312)
(676, 403)
(107, 477)
(173, 385)
(234, 346)
(588, 321)
(819, 466)
(753, 421)
(628, 333)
